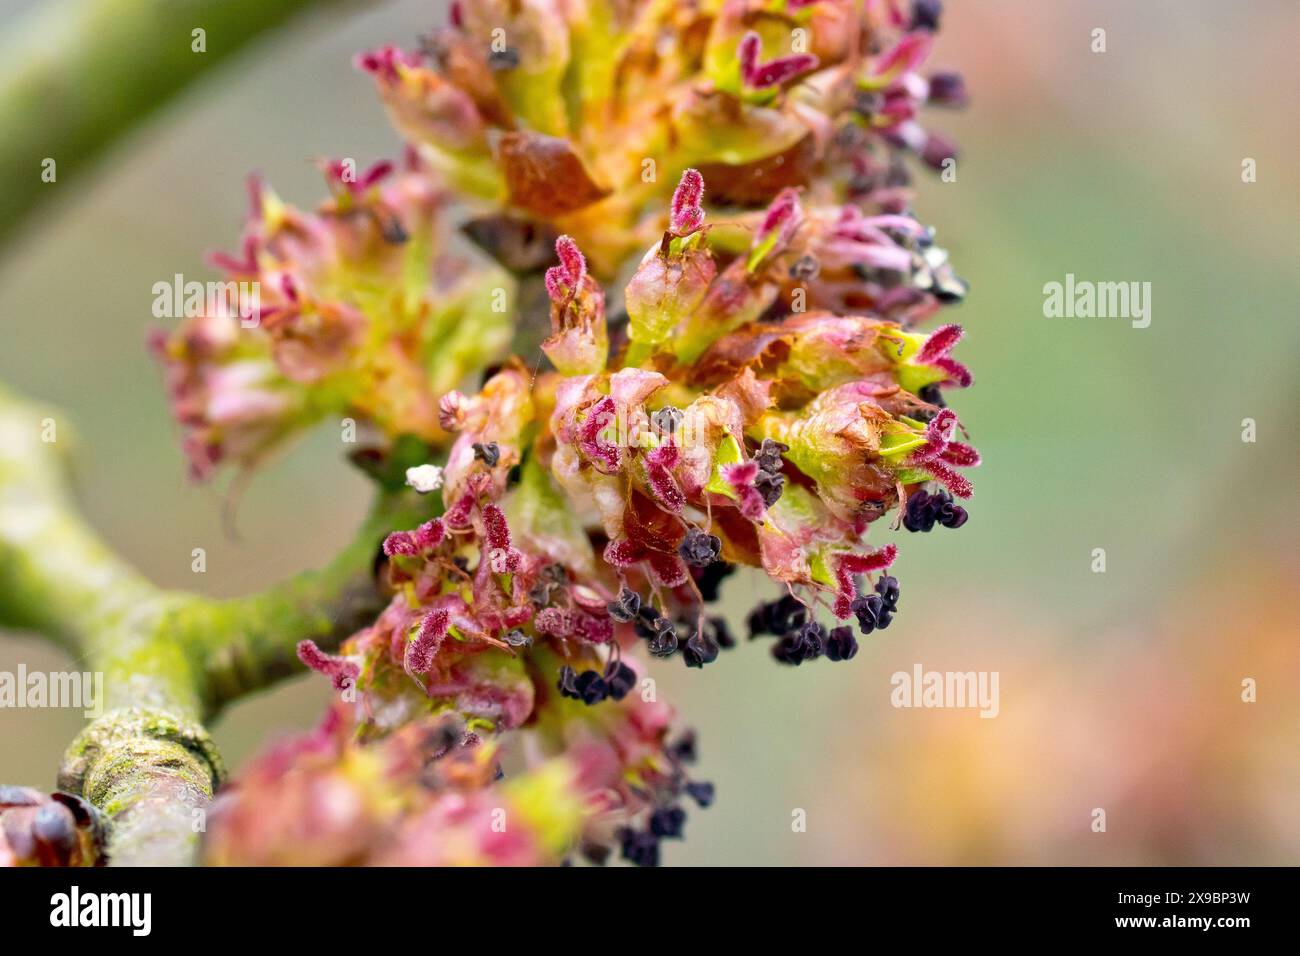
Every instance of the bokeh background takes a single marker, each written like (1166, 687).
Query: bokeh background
(1119, 691)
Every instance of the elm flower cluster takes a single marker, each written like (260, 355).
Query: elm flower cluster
(614, 100)
(759, 392)
(362, 310)
(426, 795)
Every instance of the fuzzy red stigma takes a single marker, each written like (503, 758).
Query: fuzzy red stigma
(781, 220)
(850, 565)
(563, 281)
(603, 453)
(421, 651)
(339, 173)
(341, 671)
(687, 213)
(385, 62)
(400, 542)
(741, 478)
(935, 353)
(759, 76)
(906, 56)
(659, 465)
(504, 559)
(430, 534)
(247, 266)
(940, 453)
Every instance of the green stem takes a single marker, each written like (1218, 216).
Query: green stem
(76, 74)
(170, 660)
(245, 644)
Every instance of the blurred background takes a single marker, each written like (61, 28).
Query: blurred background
(1119, 690)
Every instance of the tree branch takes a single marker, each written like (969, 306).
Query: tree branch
(245, 644)
(77, 74)
(170, 660)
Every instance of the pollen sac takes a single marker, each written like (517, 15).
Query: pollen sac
(924, 511)
(626, 607)
(663, 643)
(699, 548)
(700, 649)
(841, 645)
(667, 419)
(869, 610)
(619, 680)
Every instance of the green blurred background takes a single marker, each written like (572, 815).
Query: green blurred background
(1118, 690)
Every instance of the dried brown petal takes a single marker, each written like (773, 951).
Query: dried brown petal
(545, 176)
